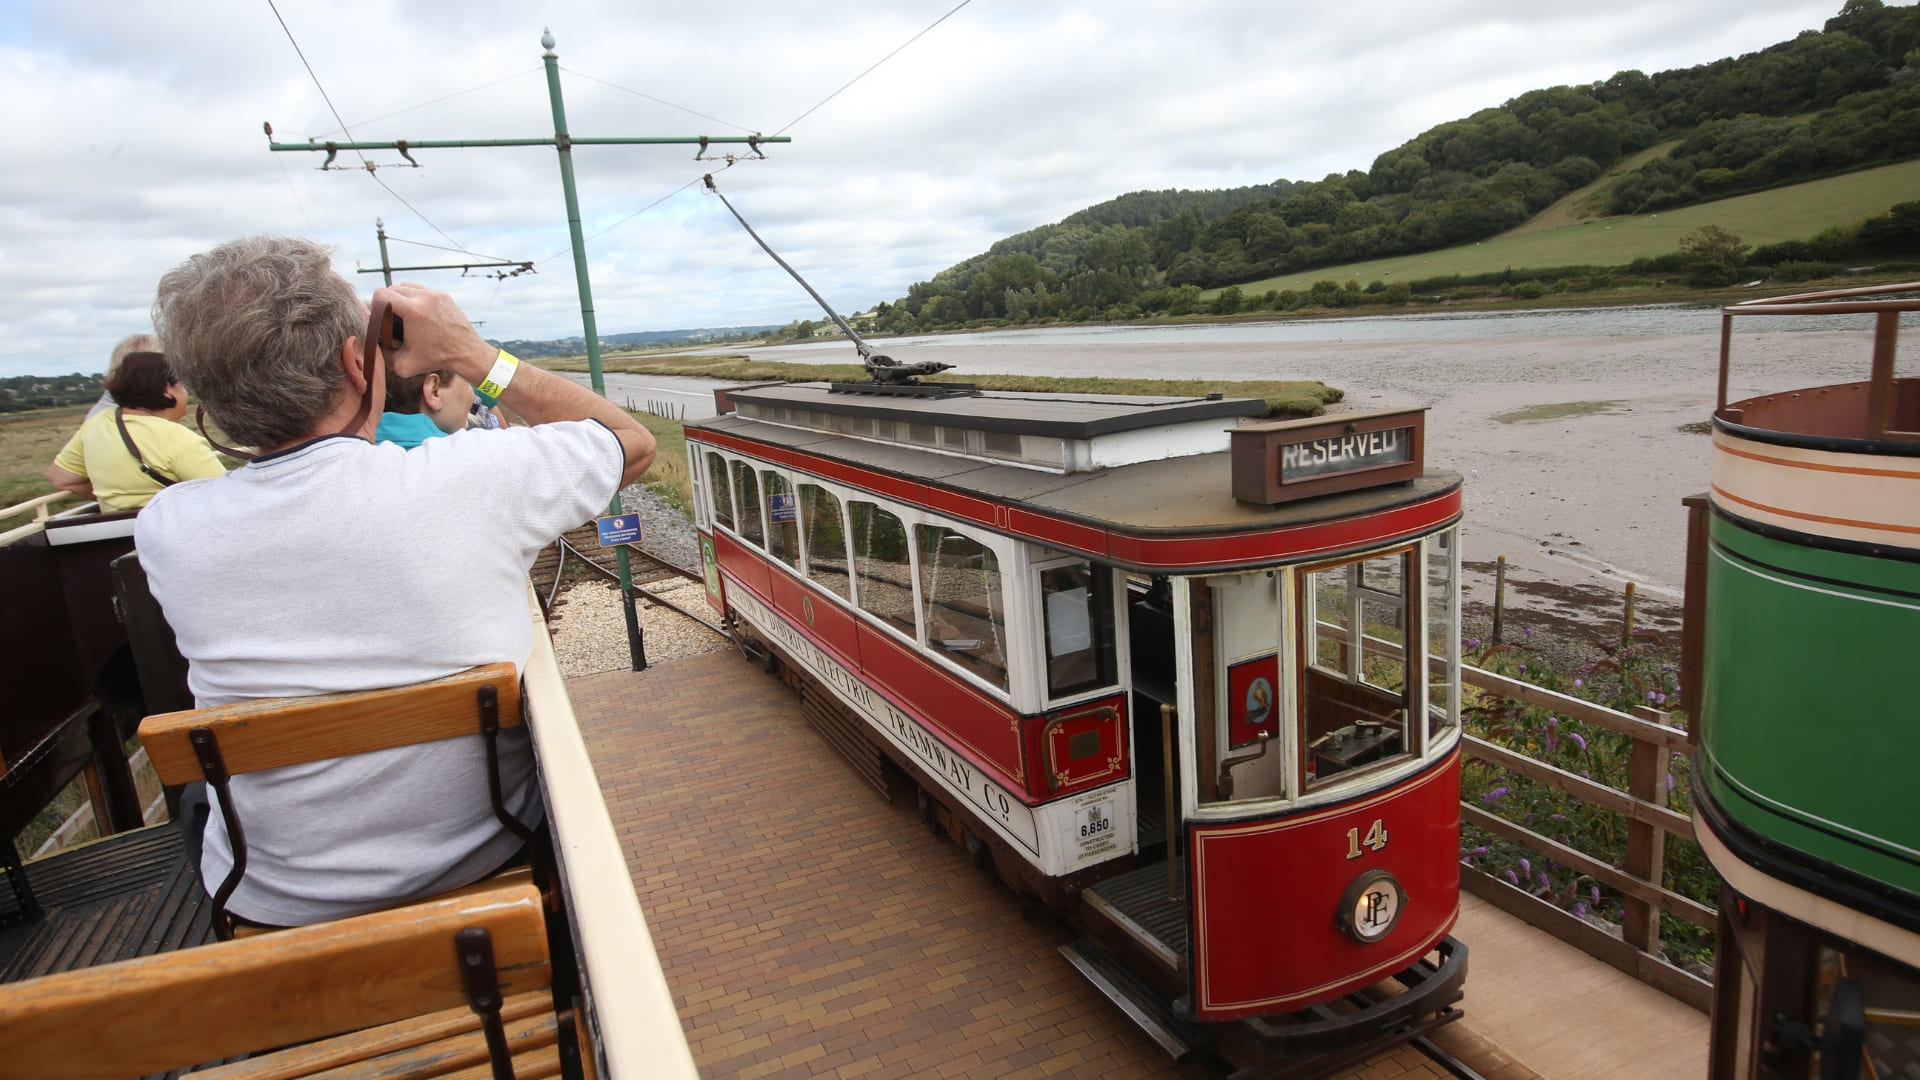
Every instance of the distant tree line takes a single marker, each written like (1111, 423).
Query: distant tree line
(23, 392)
(1742, 124)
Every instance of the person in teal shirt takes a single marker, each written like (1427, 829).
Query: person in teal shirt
(422, 407)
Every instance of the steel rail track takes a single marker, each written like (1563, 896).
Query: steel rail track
(671, 570)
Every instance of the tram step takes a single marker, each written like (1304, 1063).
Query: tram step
(1151, 1012)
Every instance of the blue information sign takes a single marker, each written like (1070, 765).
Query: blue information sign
(619, 529)
(782, 508)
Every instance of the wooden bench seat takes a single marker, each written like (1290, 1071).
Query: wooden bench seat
(384, 992)
(219, 742)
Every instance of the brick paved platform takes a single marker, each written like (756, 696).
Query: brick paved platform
(809, 928)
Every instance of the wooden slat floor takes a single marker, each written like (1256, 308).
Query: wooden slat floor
(124, 896)
(809, 928)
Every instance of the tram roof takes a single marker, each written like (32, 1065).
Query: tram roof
(1188, 495)
(1055, 415)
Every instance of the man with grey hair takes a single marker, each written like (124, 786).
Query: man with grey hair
(331, 563)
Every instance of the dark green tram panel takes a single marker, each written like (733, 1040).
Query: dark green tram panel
(1810, 727)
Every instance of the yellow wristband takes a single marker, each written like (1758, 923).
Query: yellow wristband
(496, 381)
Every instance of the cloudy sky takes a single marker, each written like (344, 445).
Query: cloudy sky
(133, 132)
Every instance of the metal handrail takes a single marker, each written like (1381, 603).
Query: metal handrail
(1886, 335)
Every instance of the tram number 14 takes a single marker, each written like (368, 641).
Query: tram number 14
(1375, 840)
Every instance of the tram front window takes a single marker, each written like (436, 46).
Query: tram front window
(961, 599)
(1355, 693)
(1443, 634)
(1076, 607)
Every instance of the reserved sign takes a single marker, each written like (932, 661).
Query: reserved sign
(1344, 453)
(1280, 461)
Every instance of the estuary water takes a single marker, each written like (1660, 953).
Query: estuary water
(1570, 426)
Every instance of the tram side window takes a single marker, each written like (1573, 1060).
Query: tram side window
(783, 532)
(1443, 634)
(961, 598)
(749, 492)
(1076, 608)
(720, 490)
(882, 565)
(826, 540)
(1355, 694)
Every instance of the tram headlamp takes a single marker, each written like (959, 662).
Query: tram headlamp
(1371, 906)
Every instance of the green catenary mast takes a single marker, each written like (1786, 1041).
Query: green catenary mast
(563, 142)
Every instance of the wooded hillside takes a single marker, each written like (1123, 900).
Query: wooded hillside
(1829, 101)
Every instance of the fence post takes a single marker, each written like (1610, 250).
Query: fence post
(1499, 595)
(1626, 622)
(1646, 844)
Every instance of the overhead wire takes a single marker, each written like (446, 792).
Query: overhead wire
(650, 97)
(295, 190)
(731, 160)
(297, 51)
(424, 104)
(876, 63)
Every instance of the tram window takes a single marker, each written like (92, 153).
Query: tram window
(1355, 691)
(1443, 634)
(720, 490)
(783, 536)
(749, 492)
(1076, 607)
(826, 540)
(960, 597)
(882, 564)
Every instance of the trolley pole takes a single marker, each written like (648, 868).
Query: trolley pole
(563, 142)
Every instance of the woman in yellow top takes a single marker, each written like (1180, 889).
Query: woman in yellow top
(124, 456)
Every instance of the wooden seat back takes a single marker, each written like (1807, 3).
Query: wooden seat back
(217, 1001)
(273, 732)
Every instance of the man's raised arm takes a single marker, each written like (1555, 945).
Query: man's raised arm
(437, 335)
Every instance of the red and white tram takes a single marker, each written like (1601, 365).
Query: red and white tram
(1100, 631)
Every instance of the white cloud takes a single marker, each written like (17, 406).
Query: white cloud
(134, 140)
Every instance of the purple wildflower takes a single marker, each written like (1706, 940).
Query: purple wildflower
(1577, 739)
(1478, 851)
(1594, 891)
(1661, 698)
(1523, 667)
(1542, 876)
(1578, 683)
(1669, 781)
(1526, 867)
(1496, 793)
(1526, 631)
(1580, 909)
(1512, 877)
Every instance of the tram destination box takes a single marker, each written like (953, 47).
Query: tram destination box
(1277, 461)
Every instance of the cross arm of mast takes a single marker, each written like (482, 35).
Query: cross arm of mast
(576, 140)
(524, 266)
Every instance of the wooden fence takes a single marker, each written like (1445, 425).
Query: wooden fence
(1639, 878)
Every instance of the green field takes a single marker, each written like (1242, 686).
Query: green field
(1765, 217)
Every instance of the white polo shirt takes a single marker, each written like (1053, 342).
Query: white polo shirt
(341, 565)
